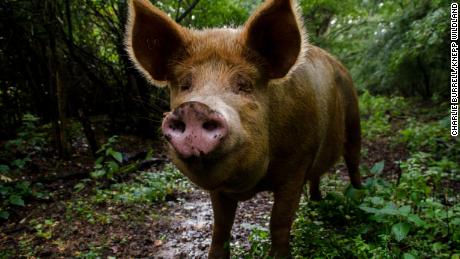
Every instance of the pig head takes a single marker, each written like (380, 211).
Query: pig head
(252, 109)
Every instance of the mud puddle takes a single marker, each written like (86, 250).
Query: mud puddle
(187, 232)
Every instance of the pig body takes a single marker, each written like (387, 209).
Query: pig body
(252, 109)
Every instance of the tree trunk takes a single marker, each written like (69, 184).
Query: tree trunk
(426, 93)
(136, 93)
(55, 83)
(88, 130)
(62, 118)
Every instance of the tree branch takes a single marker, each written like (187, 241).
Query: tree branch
(188, 11)
(179, 4)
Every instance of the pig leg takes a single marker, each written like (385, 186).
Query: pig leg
(224, 209)
(315, 193)
(286, 203)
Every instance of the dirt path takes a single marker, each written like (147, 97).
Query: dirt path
(187, 225)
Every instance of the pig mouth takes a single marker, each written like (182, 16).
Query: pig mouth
(199, 158)
(205, 171)
(219, 171)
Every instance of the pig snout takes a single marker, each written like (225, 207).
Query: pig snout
(194, 129)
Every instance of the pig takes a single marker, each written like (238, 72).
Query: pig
(255, 108)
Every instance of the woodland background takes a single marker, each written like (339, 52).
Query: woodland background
(79, 134)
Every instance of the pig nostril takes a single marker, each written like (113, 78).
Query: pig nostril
(177, 125)
(211, 125)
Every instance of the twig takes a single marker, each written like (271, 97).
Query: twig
(188, 11)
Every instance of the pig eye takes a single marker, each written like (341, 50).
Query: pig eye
(185, 84)
(185, 87)
(242, 85)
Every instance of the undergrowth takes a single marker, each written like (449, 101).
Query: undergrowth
(145, 187)
(417, 216)
(15, 157)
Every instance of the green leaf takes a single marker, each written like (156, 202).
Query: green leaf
(19, 163)
(24, 186)
(455, 221)
(438, 246)
(404, 210)
(108, 151)
(97, 173)
(389, 211)
(113, 167)
(353, 194)
(377, 200)
(16, 200)
(150, 154)
(79, 186)
(42, 195)
(14, 142)
(409, 256)
(99, 161)
(4, 169)
(4, 189)
(416, 220)
(4, 214)
(400, 230)
(117, 156)
(378, 167)
(369, 209)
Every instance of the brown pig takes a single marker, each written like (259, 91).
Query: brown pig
(253, 109)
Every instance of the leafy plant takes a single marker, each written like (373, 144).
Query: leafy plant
(376, 112)
(431, 137)
(259, 241)
(29, 135)
(146, 187)
(14, 194)
(30, 139)
(85, 209)
(406, 219)
(109, 161)
(45, 229)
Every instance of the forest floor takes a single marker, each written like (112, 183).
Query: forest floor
(155, 212)
(77, 224)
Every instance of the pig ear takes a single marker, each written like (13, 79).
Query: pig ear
(152, 40)
(275, 33)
